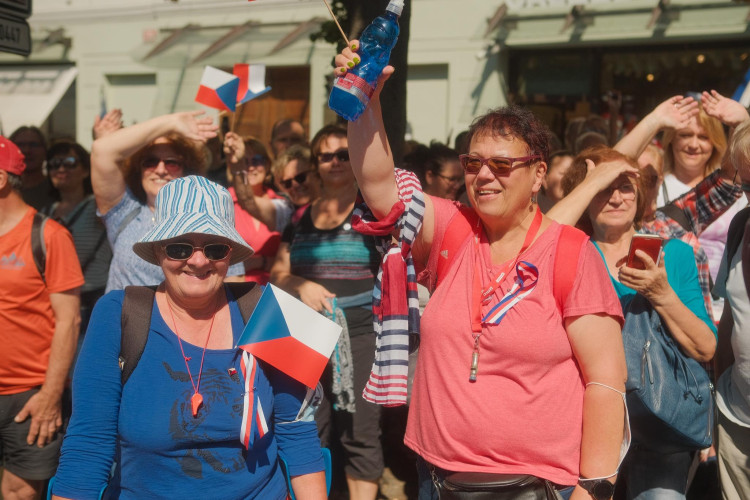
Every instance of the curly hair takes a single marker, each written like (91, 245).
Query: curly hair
(514, 121)
(715, 131)
(299, 152)
(193, 156)
(602, 154)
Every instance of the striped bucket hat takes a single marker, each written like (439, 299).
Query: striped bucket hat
(193, 205)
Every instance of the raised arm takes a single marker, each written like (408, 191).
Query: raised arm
(260, 207)
(727, 111)
(109, 152)
(675, 113)
(372, 159)
(598, 178)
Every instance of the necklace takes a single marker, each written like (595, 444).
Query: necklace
(197, 399)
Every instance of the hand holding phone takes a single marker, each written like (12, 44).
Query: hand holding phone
(649, 243)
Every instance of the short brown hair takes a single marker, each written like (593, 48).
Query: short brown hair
(514, 121)
(602, 154)
(194, 158)
(298, 152)
(320, 136)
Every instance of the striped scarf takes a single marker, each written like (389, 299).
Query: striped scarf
(395, 304)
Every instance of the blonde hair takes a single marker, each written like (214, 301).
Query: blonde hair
(739, 146)
(715, 131)
(299, 152)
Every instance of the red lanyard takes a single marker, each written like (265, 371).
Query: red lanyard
(480, 296)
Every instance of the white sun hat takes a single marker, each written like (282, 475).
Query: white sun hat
(193, 205)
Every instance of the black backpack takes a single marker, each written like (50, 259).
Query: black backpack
(136, 319)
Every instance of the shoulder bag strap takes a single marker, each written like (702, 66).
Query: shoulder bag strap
(247, 296)
(136, 322)
(566, 263)
(38, 246)
(459, 228)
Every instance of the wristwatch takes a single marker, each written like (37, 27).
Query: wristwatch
(600, 489)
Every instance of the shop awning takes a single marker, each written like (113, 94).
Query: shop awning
(29, 94)
(618, 22)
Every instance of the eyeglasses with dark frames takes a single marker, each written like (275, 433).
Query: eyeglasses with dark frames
(173, 165)
(183, 251)
(499, 165)
(66, 162)
(299, 179)
(341, 155)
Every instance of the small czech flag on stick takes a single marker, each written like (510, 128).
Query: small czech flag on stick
(290, 336)
(218, 89)
(252, 81)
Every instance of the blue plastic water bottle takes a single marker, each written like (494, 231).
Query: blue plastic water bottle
(351, 93)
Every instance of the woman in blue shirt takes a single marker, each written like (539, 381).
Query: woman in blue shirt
(177, 428)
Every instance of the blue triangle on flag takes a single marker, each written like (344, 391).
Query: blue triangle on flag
(266, 323)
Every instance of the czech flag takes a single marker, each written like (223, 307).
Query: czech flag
(290, 336)
(218, 89)
(252, 81)
(742, 94)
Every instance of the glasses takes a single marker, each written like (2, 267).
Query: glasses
(451, 180)
(627, 191)
(499, 165)
(299, 179)
(183, 251)
(173, 165)
(67, 162)
(341, 155)
(256, 161)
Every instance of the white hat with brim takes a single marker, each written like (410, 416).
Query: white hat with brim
(193, 205)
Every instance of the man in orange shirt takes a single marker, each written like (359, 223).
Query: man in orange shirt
(39, 318)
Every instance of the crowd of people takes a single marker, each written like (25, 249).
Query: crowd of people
(500, 261)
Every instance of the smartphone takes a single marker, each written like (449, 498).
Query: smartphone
(649, 243)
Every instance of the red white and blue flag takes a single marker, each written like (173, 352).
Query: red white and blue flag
(527, 276)
(254, 423)
(252, 81)
(218, 89)
(290, 336)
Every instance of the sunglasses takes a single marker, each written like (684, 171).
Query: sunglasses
(342, 155)
(68, 163)
(499, 165)
(183, 251)
(451, 180)
(173, 165)
(256, 161)
(299, 179)
(627, 191)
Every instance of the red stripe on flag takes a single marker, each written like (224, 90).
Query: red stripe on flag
(210, 98)
(292, 357)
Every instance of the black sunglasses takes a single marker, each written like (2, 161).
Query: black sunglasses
(299, 179)
(183, 251)
(67, 162)
(342, 155)
(171, 164)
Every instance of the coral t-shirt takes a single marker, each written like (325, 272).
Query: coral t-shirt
(263, 241)
(27, 322)
(523, 415)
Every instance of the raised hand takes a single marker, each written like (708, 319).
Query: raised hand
(107, 124)
(676, 112)
(234, 148)
(727, 111)
(602, 176)
(194, 126)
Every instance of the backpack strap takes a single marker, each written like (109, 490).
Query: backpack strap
(247, 296)
(566, 263)
(136, 322)
(459, 228)
(38, 246)
(127, 220)
(136, 319)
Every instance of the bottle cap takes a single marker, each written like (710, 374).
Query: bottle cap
(395, 6)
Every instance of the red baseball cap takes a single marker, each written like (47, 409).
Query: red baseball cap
(11, 158)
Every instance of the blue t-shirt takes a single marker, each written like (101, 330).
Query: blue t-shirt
(126, 223)
(148, 428)
(682, 275)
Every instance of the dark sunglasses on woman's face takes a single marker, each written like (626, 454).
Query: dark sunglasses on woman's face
(183, 251)
(341, 155)
(299, 179)
(172, 165)
(499, 165)
(67, 162)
